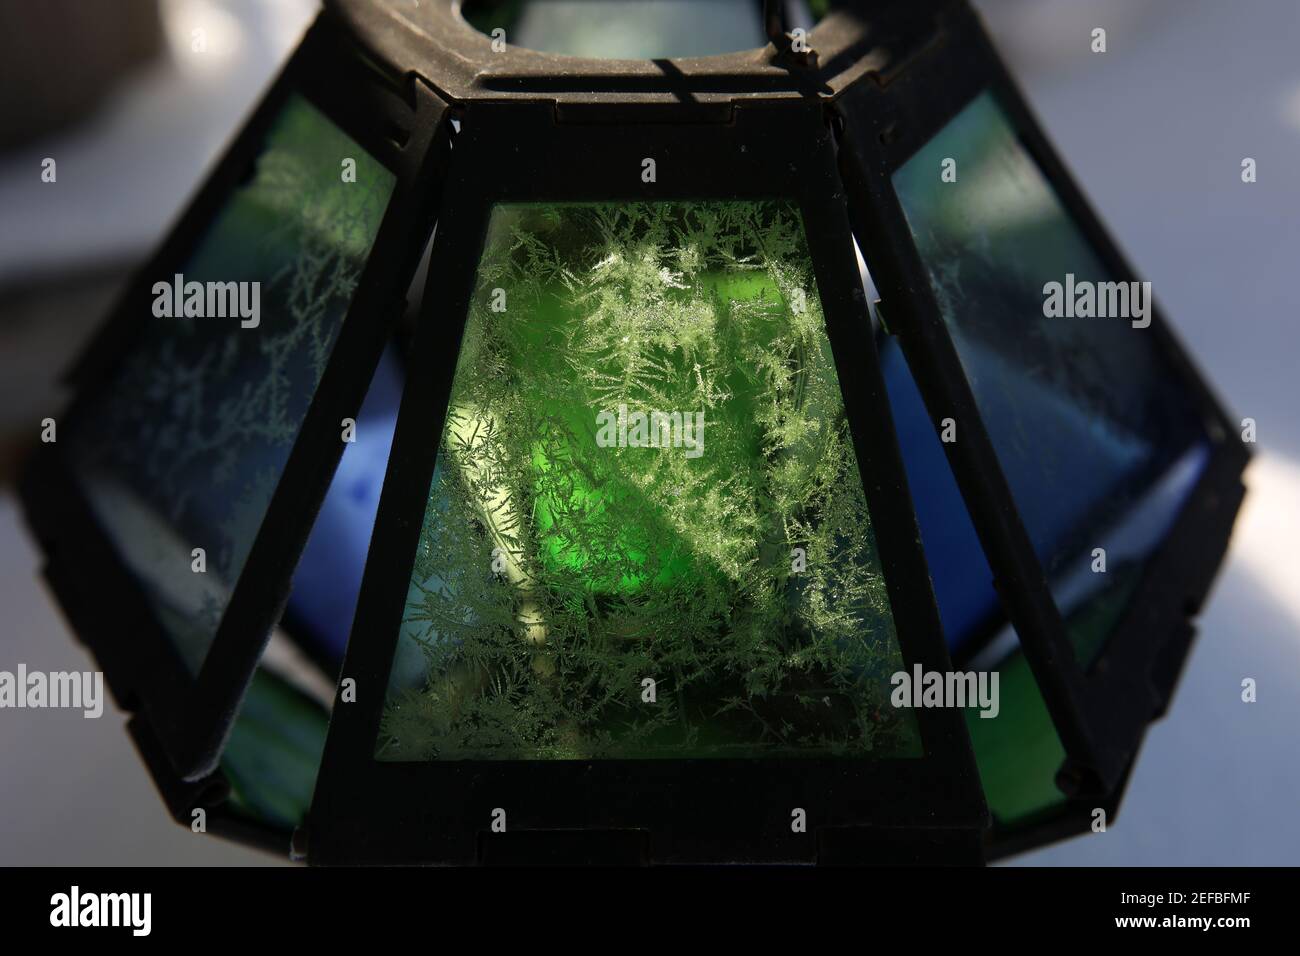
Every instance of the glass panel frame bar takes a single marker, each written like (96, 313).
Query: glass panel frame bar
(1100, 712)
(367, 810)
(180, 721)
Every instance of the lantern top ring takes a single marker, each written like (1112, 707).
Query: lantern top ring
(434, 41)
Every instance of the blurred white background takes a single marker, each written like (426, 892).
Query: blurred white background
(1155, 130)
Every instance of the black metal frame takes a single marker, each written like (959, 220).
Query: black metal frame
(886, 76)
(1101, 713)
(188, 718)
(432, 39)
(656, 810)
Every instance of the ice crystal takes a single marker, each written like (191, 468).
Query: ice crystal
(554, 575)
(185, 446)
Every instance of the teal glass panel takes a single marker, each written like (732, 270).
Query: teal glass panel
(185, 444)
(1095, 430)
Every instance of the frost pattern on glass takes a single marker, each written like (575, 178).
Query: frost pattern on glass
(185, 444)
(557, 576)
(1094, 429)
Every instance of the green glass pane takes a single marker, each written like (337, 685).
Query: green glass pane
(645, 475)
(1018, 752)
(819, 9)
(274, 752)
(185, 444)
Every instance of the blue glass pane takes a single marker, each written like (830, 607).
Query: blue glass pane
(328, 580)
(963, 582)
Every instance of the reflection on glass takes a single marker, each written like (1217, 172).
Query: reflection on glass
(186, 443)
(327, 581)
(624, 29)
(646, 533)
(1095, 431)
